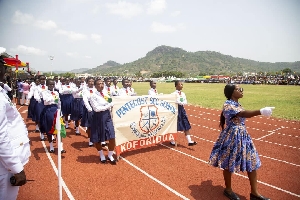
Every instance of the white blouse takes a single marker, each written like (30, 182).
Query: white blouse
(180, 97)
(99, 103)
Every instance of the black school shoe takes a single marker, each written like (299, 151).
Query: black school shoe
(192, 143)
(231, 196)
(253, 197)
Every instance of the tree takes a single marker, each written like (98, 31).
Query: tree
(287, 71)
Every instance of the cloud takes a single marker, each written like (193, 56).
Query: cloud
(45, 25)
(22, 18)
(21, 49)
(125, 9)
(157, 27)
(97, 38)
(156, 7)
(27, 19)
(71, 54)
(175, 13)
(72, 35)
(88, 57)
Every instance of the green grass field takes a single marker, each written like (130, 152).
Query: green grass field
(285, 99)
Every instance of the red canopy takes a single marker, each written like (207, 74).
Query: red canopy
(12, 61)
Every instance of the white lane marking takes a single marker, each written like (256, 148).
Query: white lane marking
(267, 184)
(56, 172)
(259, 155)
(265, 136)
(156, 180)
(20, 108)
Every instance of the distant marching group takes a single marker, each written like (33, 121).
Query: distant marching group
(88, 103)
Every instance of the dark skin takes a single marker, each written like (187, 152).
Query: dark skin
(126, 83)
(153, 85)
(21, 176)
(236, 95)
(112, 142)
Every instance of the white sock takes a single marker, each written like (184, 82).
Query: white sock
(90, 143)
(188, 137)
(62, 147)
(67, 125)
(172, 142)
(77, 129)
(51, 146)
(42, 136)
(37, 127)
(103, 142)
(110, 155)
(102, 157)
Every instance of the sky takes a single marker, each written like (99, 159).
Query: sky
(88, 33)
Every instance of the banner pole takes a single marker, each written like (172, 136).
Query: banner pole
(58, 128)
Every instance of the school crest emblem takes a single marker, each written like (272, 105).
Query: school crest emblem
(149, 119)
(149, 124)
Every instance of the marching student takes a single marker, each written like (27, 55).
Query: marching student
(107, 86)
(39, 106)
(77, 105)
(130, 88)
(126, 90)
(57, 83)
(52, 103)
(82, 82)
(26, 88)
(183, 123)
(115, 88)
(87, 113)
(14, 144)
(66, 99)
(234, 150)
(32, 101)
(152, 90)
(102, 128)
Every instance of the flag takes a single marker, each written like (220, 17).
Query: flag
(58, 125)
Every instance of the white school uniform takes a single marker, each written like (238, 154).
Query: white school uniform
(14, 146)
(152, 92)
(126, 92)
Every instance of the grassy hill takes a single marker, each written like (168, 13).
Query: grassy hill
(165, 58)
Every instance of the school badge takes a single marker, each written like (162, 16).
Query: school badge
(150, 122)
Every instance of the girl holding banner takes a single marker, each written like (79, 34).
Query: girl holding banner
(183, 123)
(102, 128)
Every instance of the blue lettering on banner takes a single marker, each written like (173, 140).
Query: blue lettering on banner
(143, 101)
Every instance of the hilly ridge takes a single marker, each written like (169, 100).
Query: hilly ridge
(166, 58)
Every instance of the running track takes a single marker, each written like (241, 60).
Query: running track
(164, 172)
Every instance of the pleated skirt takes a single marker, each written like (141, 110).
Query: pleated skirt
(183, 123)
(102, 128)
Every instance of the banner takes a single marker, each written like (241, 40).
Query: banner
(141, 121)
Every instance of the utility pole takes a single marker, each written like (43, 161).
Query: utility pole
(51, 60)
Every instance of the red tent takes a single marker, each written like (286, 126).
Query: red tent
(12, 61)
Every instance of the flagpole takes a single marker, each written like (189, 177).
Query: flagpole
(58, 128)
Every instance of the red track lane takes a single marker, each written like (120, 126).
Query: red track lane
(183, 169)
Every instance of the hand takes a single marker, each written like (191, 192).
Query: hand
(20, 178)
(266, 111)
